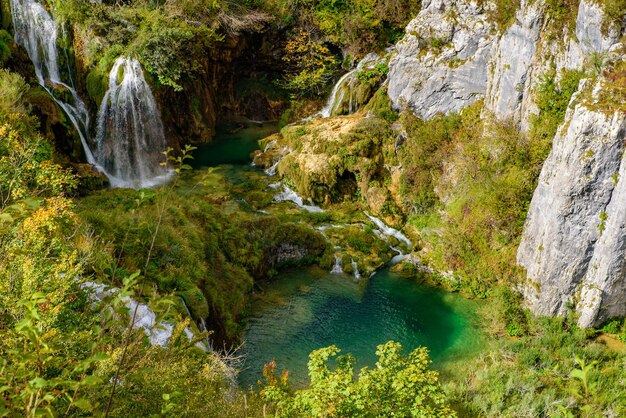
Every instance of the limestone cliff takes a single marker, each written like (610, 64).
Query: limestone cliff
(441, 65)
(574, 242)
(574, 235)
(453, 55)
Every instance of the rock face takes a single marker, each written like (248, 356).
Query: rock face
(509, 87)
(574, 242)
(441, 65)
(573, 245)
(589, 24)
(452, 55)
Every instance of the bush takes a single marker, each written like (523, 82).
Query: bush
(397, 386)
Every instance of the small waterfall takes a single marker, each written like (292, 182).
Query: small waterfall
(271, 171)
(288, 195)
(388, 231)
(338, 266)
(347, 85)
(37, 32)
(130, 140)
(355, 268)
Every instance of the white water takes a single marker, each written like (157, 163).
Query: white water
(159, 333)
(336, 98)
(355, 267)
(130, 136)
(388, 231)
(338, 266)
(347, 83)
(130, 140)
(37, 32)
(288, 195)
(271, 171)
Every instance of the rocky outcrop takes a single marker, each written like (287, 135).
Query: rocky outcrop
(589, 24)
(441, 65)
(509, 86)
(452, 56)
(573, 242)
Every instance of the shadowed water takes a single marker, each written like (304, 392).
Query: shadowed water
(233, 144)
(311, 309)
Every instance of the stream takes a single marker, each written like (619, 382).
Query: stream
(305, 309)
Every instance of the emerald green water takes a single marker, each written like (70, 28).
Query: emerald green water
(310, 309)
(233, 144)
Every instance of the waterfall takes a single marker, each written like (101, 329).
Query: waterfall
(130, 140)
(347, 85)
(130, 136)
(338, 266)
(288, 195)
(388, 231)
(158, 332)
(355, 268)
(37, 32)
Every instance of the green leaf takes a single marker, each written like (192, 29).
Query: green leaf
(83, 404)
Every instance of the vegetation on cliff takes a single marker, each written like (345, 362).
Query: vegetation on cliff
(193, 251)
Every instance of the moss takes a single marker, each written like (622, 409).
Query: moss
(380, 105)
(503, 14)
(209, 251)
(5, 46)
(97, 84)
(613, 14)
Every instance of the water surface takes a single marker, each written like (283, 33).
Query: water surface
(233, 144)
(307, 309)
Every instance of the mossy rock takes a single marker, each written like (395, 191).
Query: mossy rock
(89, 179)
(196, 302)
(97, 85)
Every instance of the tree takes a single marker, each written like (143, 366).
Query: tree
(310, 65)
(397, 386)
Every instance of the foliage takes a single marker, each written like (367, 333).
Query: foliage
(5, 46)
(552, 98)
(360, 26)
(310, 65)
(556, 369)
(396, 386)
(613, 14)
(503, 14)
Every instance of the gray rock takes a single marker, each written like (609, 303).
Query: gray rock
(589, 28)
(561, 239)
(450, 77)
(512, 63)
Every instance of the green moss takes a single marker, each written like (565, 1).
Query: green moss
(5, 46)
(380, 105)
(207, 251)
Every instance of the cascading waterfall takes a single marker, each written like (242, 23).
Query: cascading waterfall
(337, 266)
(387, 231)
(130, 140)
(37, 32)
(355, 268)
(288, 195)
(347, 85)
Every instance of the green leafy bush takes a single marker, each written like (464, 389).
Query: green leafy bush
(396, 386)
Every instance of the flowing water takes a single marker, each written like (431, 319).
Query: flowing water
(343, 96)
(37, 32)
(317, 309)
(130, 140)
